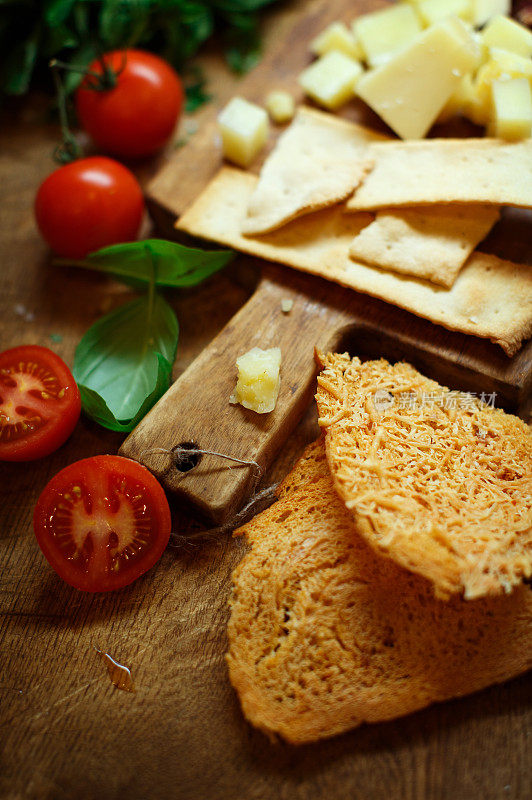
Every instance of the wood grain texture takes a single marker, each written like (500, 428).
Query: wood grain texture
(217, 494)
(65, 731)
(196, 408)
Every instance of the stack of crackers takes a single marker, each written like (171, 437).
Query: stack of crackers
(389, 573)
(397, 220)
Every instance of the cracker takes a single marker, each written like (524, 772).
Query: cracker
(325, 634)
(437, 480)
(447, 171)
(491, 298)
(318, 161)
(432, 242)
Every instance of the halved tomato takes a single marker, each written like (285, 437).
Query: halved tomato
(39, 403)
(102, 522)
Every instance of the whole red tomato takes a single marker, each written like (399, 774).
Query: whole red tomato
(88, 204)
(138, 115)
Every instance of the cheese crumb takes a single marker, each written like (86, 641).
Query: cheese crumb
(280, 106)
(286, 305)
(258, 381)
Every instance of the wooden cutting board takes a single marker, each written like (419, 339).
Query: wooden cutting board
(65, 731)
(196, 409)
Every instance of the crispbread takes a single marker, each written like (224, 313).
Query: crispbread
(318, 161)
(432, 242)
(491, 298)
(439, 481)
(325, 634)
(447, 171)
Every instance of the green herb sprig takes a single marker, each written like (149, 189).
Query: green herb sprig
(123, 364)
(34, 31)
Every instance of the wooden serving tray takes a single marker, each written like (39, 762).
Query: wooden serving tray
(196, 408)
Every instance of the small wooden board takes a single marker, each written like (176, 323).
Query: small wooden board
(196, 408)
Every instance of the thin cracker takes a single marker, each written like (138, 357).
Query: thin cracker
(447, 171)
(325, 634)
(439, 481)
(319, 160)
(491, 298)
(430, 242)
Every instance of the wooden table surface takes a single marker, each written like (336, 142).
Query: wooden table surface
(65, 730)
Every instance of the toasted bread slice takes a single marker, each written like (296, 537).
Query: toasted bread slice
(437, 480)
(325, 634)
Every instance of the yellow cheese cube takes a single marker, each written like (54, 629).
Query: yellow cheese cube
(512, 109)
(337, 36)
(280, 106)
(258, 381)
(432, 11)
(483, 10)
(507, 34)
(410, 90)
(502, 65)
(476, 106)
(459, 100)
(330, 80)
(383, 33)
(244, 128)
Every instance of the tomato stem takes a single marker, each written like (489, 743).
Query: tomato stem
(69, 149)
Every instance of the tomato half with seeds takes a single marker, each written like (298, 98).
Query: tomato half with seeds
(102, 522)
(39, 403)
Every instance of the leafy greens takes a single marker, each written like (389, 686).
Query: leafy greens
(34, 31)
(123, 363)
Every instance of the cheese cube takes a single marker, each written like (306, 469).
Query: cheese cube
(459, 100)
(410, 90)
(512, 109)
(280, 106)
(384, 33)
(258, 381)
(502, 65)
(483, 10)
(476, 106)
(337, 36)
(432, 11)
(244, 129)
(330, 80)
(507, 34)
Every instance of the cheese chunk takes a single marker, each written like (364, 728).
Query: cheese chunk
(502, 65)
(460, 100)
(258, 381)
(280, 106)
(384, 33)
(432, 11)
(330, 80)
(484, 10)
(337, 36)
(410, 90)
(244, 128)
(508, 34)
(512, 109)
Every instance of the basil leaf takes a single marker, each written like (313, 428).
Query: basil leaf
(56, 11)
(97, 409)
(242, 61)
(126, 359)
(175, 265)
(18, 67)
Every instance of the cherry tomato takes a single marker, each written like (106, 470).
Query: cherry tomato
(89, 204)
(102, 522)
(39, 403)
(138, 116)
